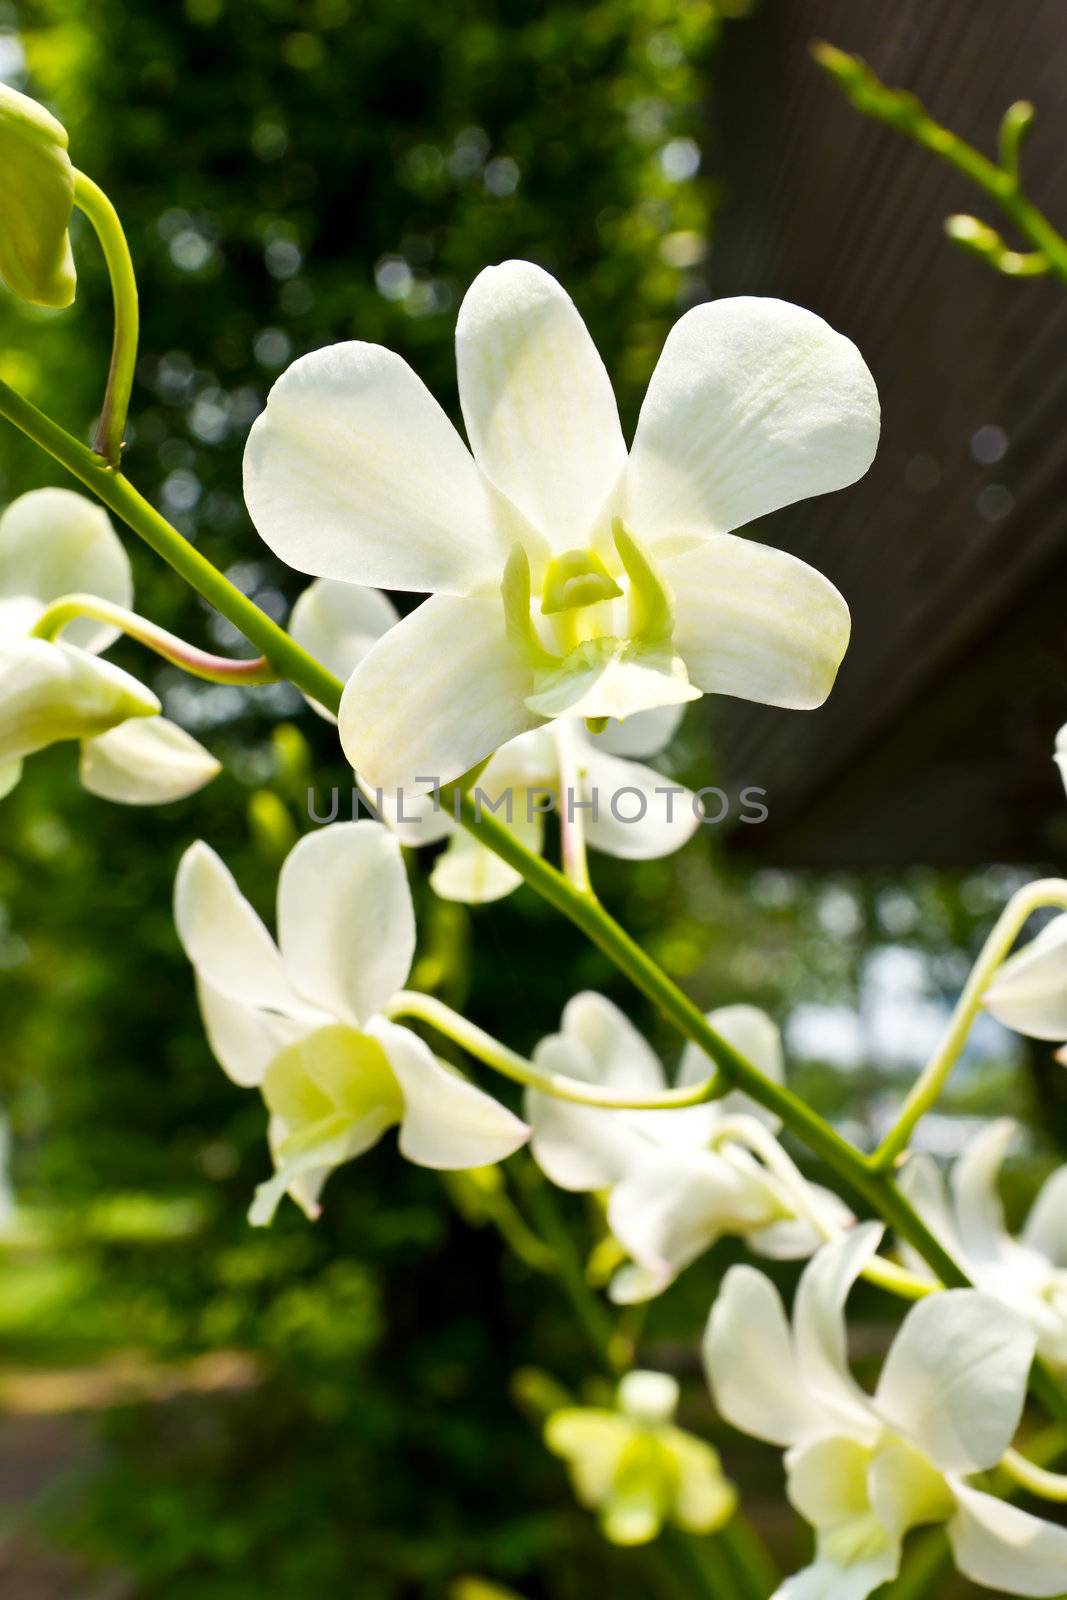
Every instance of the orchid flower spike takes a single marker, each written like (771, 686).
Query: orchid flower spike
(1029, 992)
(54, 542)
(636, 1469)
(627, 809)
(567, 576)
(676, 1180)
(1028, 1273)
(865, 1469)
(304, 1020)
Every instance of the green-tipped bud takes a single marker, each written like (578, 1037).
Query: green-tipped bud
(867, 91)
(272, 828)
(981, 240)
(851, 72)
(971, 234)
(1015, 125)
(36, 200)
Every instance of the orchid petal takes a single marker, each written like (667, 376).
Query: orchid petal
(53, 692)
(753, 405)
(674, 1204)
(704, 1500)
(225, 940)
(337, 622)
(354, 471)
(540, 413)
(753, 1035)
(619, 1056)
(469, 872)
(827, 1579)
(447, 1123)
(757, 623)
(1029, 992)
(1005, 1549)
(979, 1214)
(440, 692)
(820, 1330)
(244, 1039)
(54, 542)
(827, 1480)
(146, 762)
(1046, 1226)
(592, 1442)
(639, 815)
(905, 1489)
(751, 1363)
(954, 1381)
(346, 926)
(644, 734)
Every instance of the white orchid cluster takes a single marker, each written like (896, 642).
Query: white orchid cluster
(579, 595)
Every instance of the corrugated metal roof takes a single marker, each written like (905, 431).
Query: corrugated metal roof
(936, 742)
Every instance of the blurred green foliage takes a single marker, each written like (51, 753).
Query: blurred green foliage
(292, 172)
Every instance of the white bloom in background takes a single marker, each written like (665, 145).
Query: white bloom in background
(568, 578)
(303, 1020)
(864, 1469)
(337, 623)
(1028, 1273)
(54, 542)
(1060, 755)
(627, 809)
(634, 1467)
(1029, 992)
(637, 814)
(676, 1180)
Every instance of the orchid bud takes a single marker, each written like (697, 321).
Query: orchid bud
(36, 200)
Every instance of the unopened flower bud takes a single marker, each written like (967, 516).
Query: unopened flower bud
(36, 200)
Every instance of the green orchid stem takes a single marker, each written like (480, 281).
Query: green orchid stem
(934, 1076)
(120, 496)
(111, 430)
(1035, 1479)
(199, 663)
(908, 116)
(426, 1008)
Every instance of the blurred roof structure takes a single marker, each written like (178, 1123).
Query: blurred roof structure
(936, 743)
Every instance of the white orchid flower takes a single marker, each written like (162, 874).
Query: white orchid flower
(1060, 754)
(1028, 1273)
(303, 1020)
(568, 578)
(627, 809)
(676, 1180)
(864, 1469)
(634, 1467)
(1029, 992)
(54, 542)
